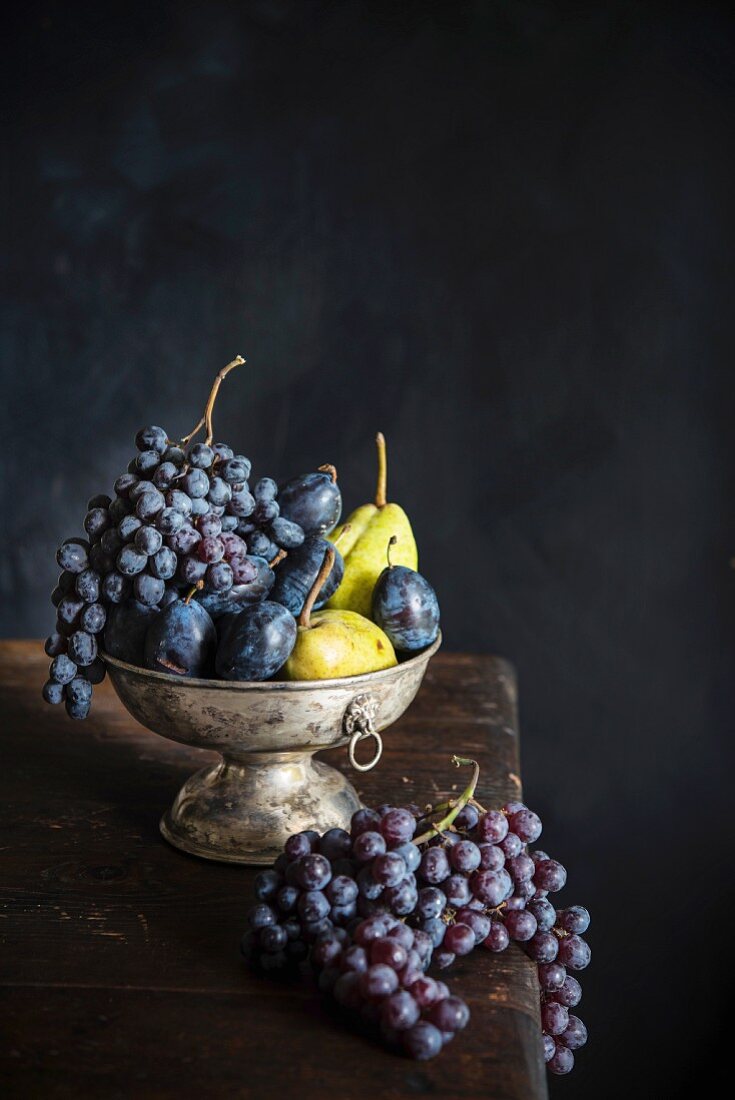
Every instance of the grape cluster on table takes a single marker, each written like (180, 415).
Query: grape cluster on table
(181, 520)
(372, 910)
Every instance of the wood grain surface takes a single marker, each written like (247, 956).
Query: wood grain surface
(119, 967)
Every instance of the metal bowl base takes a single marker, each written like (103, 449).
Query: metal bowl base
(242, 811)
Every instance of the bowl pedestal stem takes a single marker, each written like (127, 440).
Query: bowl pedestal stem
(242, 809)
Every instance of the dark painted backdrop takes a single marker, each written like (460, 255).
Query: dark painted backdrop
(502, 233)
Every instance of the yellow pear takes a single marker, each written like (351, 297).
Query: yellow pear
(363, 548)
(332, 644)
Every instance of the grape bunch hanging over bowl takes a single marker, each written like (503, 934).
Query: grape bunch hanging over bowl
(194, 569)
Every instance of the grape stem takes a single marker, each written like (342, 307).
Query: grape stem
(329, 469)
(442, 826)
(347, 527)
(206, 420)
(382, 486)
(278, 558)
(321, 577)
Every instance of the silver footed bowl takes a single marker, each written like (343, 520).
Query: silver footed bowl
(267, 784)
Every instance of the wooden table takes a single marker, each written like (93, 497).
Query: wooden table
(119, 967)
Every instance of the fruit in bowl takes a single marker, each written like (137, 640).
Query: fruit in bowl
(195, 569)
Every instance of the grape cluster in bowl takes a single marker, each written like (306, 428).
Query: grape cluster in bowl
(184, 522)
(373, 908)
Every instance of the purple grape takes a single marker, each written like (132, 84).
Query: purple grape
(575, 919)
(526, 824)
(260, 916)
(425, 991)
(512, 846)
(543, 947)
(341, 890)
(465, 857)
(364, 821)
(544, 913)
(554, 1018)
(272, 938)
(459, 939)
(549, 875)
(521, 925)
(367, 846)
(389, 951)
(492, 827)
(400, 1011)
(388, 869)
(431, 902)
(521, 868)
(326, 951)
(422, 1041)
(569, 993)
(354, 958)
(492, 857)
(490, 887)
(574, 952)
(498, 938)
(467, 818)
(313, 872)
(549, 1047)
(335, 844)
(298, 845)
(449, 1014)
(478, 922)
(434, 866)
(398, 826)
(378, 982)
(551, 976)
(562, 1060)
(575, 1034)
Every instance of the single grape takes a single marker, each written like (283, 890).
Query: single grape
(148, 540)
(490, 887)
(575, 1034)
(260, 916)
(367, 846)
(241, 504)
(111, 542)
(163, 564)
(549, 1047)
(526, 824)
(498, 938)
(431, 902)
(449, 1014)
(459, 939)
(491, 857)
(62, 669)
(389, 951)
(400, 1011)
(378, 982)
(388, 869)
(147, 462)
(492, 827)
(82, 648)
(175, 455)
(521, 868)
(575, 919)
(313, 906)
(465, 857)
(265, 489)
(53, 692)
(569, 992)
(434, 866)
(96, 521)
(72, 556)
(116, 588)
(148, 590)
(151, 438)
(364, 821)
(127, 527)
(130, 561)
(179, 501)
(544, 913)
(95, 672)
(184, 540)
(149, 505)
(273, 938)
(574, 952)
(457, 890)
(521, 925)
(554, 1018)
(551, 976)
(78, 692)
(422, 1041)
(125, 483)
(543, 947)
(201, 456)
(54, 645)
(101, 500)
(511, 846)
(397, 826)
(562, 1060)
(549, 875)
(313, 872)
(478, 922)
(165, 475)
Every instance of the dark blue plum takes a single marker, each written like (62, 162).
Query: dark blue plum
(296, 574)
(181, 640)
(257, 643)
(313, 501)
(406, 608)
(125, 630)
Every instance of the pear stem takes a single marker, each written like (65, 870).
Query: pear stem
(391, 542)
(347, 527)
(382, 486)
(464, 798)
(324, 571)
(329, 469)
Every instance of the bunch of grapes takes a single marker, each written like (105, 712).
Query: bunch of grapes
(373, 908)
(184, 517)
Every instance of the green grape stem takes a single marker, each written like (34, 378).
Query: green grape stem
(442, 826)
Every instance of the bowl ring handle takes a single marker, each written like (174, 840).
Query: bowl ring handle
(359, 722)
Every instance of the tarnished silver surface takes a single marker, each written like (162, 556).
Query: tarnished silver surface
(267, 786)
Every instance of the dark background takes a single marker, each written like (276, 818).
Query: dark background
(501, 232)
